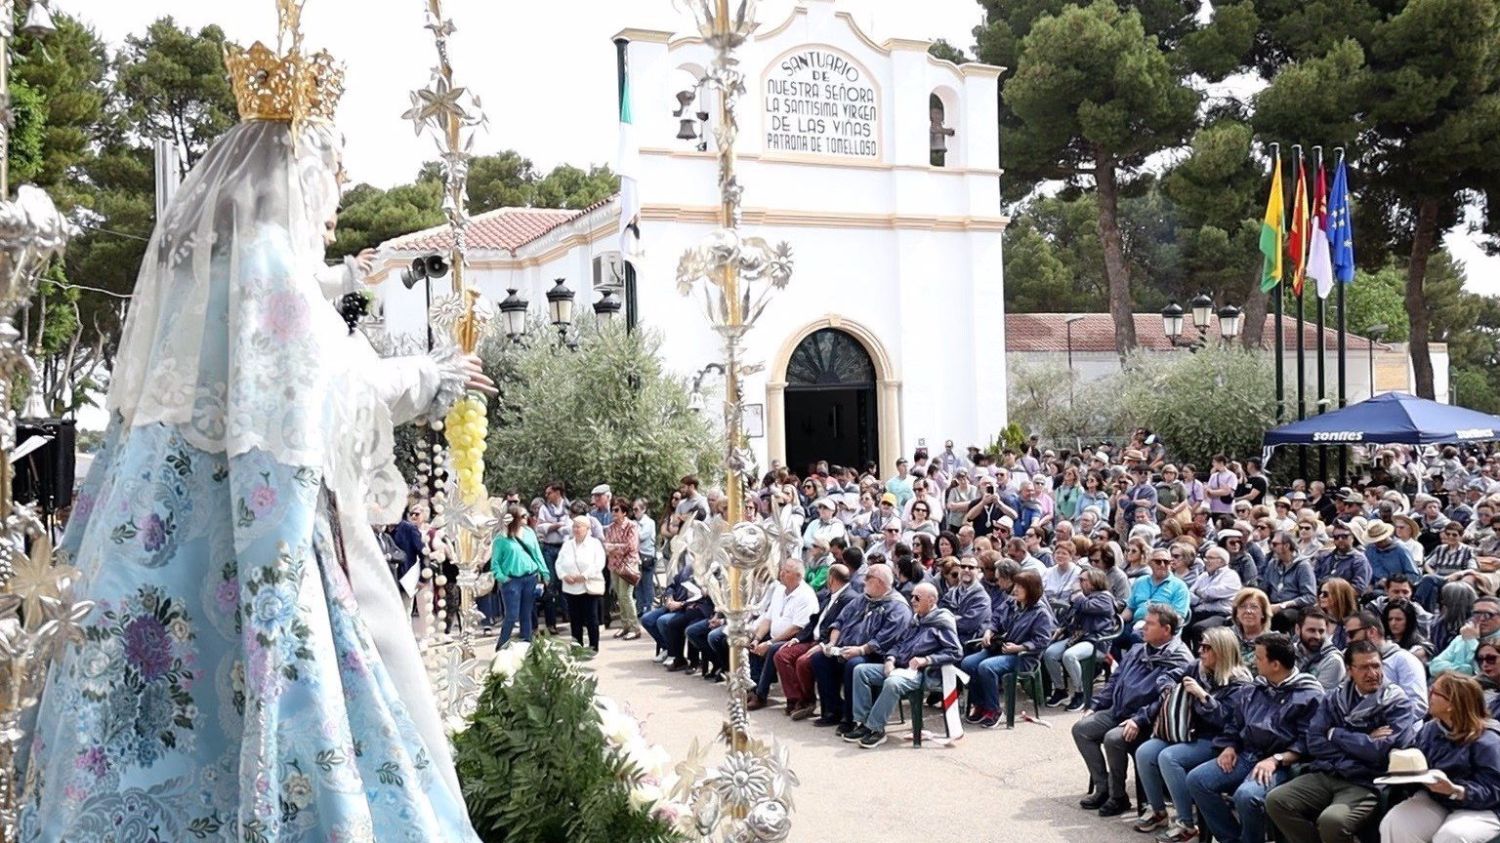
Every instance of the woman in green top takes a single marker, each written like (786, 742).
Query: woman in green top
(517, 564)
(1069, 495)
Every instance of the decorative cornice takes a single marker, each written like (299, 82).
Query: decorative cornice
(820, 219)
(974, 68)
(797, 11)
(840, 163)
(650, 36)
(915, 45)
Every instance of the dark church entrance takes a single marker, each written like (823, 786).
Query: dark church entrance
(830, 402)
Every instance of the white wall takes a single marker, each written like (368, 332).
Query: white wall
(1393, 370)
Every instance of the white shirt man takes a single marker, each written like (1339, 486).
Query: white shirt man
(788, 608)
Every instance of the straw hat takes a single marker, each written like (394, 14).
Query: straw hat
(1409, 766)
(1410, 522)
(1378, 531)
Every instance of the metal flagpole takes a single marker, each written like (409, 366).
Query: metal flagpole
(1280, 342)
(1322, 343)
(622, 70)
(1300, 262)
(1343, 356)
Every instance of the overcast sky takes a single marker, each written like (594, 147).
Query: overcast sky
(546, 71)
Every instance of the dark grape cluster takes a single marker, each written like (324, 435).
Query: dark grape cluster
(354, 307)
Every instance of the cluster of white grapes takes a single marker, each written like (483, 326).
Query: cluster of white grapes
(467, 425)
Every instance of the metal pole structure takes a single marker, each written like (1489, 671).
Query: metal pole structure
(449, 113)
(35, 237)
(1300, 262)
(1279, 347)
(628, 273)
(733, 555)
(1343, 358)
(7, 8)
(734, 321)
(1322, 335)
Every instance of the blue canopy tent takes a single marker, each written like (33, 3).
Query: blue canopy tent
(1389, 418)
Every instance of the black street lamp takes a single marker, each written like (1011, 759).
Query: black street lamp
(1229, 322)
(607, 308)
(560, 306)
(1171, 322)
(513, 313)
(1203, 311)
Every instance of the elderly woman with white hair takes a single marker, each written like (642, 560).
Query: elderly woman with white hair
(580, 568)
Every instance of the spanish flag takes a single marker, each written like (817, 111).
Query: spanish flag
(1297, 242)
(1272, 232)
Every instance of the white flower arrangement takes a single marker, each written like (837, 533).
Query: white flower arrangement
(623, 732)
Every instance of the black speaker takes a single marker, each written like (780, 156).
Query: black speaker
(45, 476)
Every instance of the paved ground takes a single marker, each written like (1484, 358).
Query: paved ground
(994, 785)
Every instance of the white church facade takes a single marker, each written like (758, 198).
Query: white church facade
(892, 331)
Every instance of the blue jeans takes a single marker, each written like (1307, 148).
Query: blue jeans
(518, 596)
(763, 669)
(491, 606)
(551, 598)
(1061, 654)
(869, 676)
(668, 628)
(1159, 763)
(1428, 589)
(987, 671)
(649, 621)
(1208, 784)
(645, 590)
(712, 644)
(673, 629)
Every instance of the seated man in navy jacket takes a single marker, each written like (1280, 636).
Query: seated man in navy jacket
(868, 628)
(1119, 718)
(1266, 734)
(1354, 729)
(929, 642)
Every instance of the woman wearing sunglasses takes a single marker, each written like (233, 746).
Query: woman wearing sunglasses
(1487, 657)
(1461, 786)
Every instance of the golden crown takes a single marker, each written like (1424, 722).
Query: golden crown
(291, 87)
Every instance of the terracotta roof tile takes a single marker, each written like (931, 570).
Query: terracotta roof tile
(505, 229)
(1043, 332)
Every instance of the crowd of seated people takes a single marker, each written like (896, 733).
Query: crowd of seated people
(1320, 664)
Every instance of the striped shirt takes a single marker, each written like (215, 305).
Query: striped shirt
(1450, 559)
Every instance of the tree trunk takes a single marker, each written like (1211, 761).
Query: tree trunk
(1422, 243)
(1257, 304)
(1115, 270)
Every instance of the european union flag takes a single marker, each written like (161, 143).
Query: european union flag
(1340, 228)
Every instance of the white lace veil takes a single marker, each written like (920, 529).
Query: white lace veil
(229, 337)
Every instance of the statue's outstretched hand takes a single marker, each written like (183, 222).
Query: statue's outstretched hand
(478, 380)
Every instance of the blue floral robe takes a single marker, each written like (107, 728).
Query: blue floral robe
(227, 688)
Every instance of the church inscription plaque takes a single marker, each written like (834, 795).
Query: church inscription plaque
(818, 101)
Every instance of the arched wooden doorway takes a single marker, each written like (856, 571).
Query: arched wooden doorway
(831, 402)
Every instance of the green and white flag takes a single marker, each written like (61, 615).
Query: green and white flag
(627, 165)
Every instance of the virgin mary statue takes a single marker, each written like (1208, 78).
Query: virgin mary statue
(248, 672)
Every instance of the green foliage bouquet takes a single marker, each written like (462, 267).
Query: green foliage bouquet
(543, 761)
